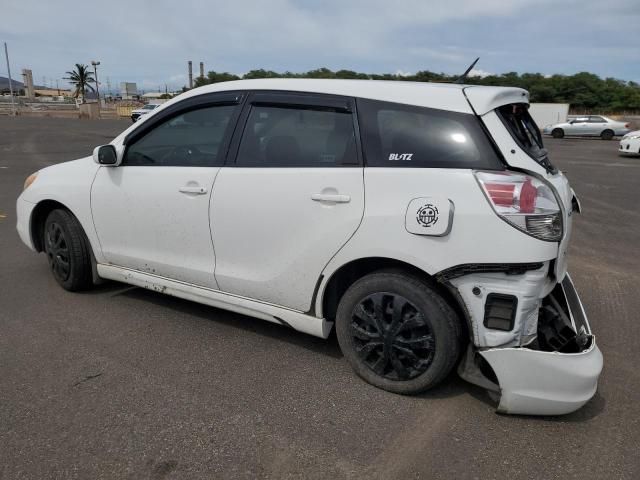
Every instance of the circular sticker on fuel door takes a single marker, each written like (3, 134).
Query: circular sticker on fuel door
(432, 216)
(427, 215)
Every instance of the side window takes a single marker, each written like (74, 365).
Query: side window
(277, 136)
(596, 120)
(396, 135)
(190, 139)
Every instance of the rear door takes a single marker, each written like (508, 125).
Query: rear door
(292, 198)
(597, 125)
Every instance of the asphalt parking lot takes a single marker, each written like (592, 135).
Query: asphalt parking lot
(122, 382)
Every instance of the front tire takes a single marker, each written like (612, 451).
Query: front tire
(67, 250)
(397, 332)
(606, 135)
(557, 133)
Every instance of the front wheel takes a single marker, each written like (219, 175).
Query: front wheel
(557, 133)
(606, 135)
(67, 250)
(397, 332)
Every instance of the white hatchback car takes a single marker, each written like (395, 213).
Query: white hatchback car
(630, 144)
(425, 221)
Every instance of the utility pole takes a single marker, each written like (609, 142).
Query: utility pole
(95, 74)
(57, 87)
(6, 55)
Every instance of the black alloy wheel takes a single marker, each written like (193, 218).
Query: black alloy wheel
(68, 250)
(57, 250)
(398, 332)
(392, 337)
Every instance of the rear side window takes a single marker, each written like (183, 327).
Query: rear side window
(397, 135)
(525, 132)
(297, 137)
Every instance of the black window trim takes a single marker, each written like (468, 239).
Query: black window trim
(190, 104)
(294, 100)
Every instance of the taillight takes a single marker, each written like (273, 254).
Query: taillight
(525, 202)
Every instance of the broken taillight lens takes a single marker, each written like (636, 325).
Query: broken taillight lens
(525, 202)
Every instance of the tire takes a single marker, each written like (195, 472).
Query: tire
(557, 133)
(413, 355)
(67, 250)
(607, 135)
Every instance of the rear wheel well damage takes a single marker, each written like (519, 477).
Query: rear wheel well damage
(349, 273)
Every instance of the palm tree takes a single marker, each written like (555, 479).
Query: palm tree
(81, 78)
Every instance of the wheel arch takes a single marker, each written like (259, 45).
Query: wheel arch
(39, 217)
(344, 276)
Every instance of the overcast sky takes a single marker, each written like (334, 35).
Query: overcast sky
(150, 42)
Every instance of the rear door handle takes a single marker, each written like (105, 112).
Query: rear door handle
(328, 197)
(195, 190)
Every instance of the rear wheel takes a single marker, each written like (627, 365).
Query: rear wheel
(397, 332)
(67, 250)
(557, 133)
(606, 135)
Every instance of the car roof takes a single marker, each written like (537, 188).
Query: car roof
(443, 96)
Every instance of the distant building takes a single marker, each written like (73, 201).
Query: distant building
(128, 90)
(52, 92)
(152, 95)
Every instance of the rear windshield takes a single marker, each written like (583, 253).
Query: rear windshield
(525, 132)
(398, 135)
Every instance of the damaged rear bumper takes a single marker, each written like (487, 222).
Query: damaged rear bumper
(533, 380)
(544, 383)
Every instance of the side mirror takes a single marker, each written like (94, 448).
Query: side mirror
(105, 155)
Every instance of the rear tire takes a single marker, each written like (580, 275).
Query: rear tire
(607, 135)
(557, 133)
(397, 332)
(67, 250)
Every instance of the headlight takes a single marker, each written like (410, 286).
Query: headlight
(30, 179)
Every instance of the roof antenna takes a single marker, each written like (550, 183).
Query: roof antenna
(463, 77)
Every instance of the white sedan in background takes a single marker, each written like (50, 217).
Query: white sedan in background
(588, 126)
(630, 144)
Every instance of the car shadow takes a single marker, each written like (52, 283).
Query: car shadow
(243, 322)
(453, 385)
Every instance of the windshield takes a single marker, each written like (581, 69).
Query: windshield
(149, 107)
(525, 132)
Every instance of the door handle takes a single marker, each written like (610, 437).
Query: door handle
(328, 197)
(193, 190)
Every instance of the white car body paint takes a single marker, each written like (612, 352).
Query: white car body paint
(262, 253)
(267, 242)
(630, 144)
(166, 231)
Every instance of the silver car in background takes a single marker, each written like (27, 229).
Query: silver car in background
(588, 126)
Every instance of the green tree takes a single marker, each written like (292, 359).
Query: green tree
(81, 79)
(584, 91)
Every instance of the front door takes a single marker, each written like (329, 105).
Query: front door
(151, 213)
(292, 199)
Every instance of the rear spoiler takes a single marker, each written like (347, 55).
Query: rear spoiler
(484, 99)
